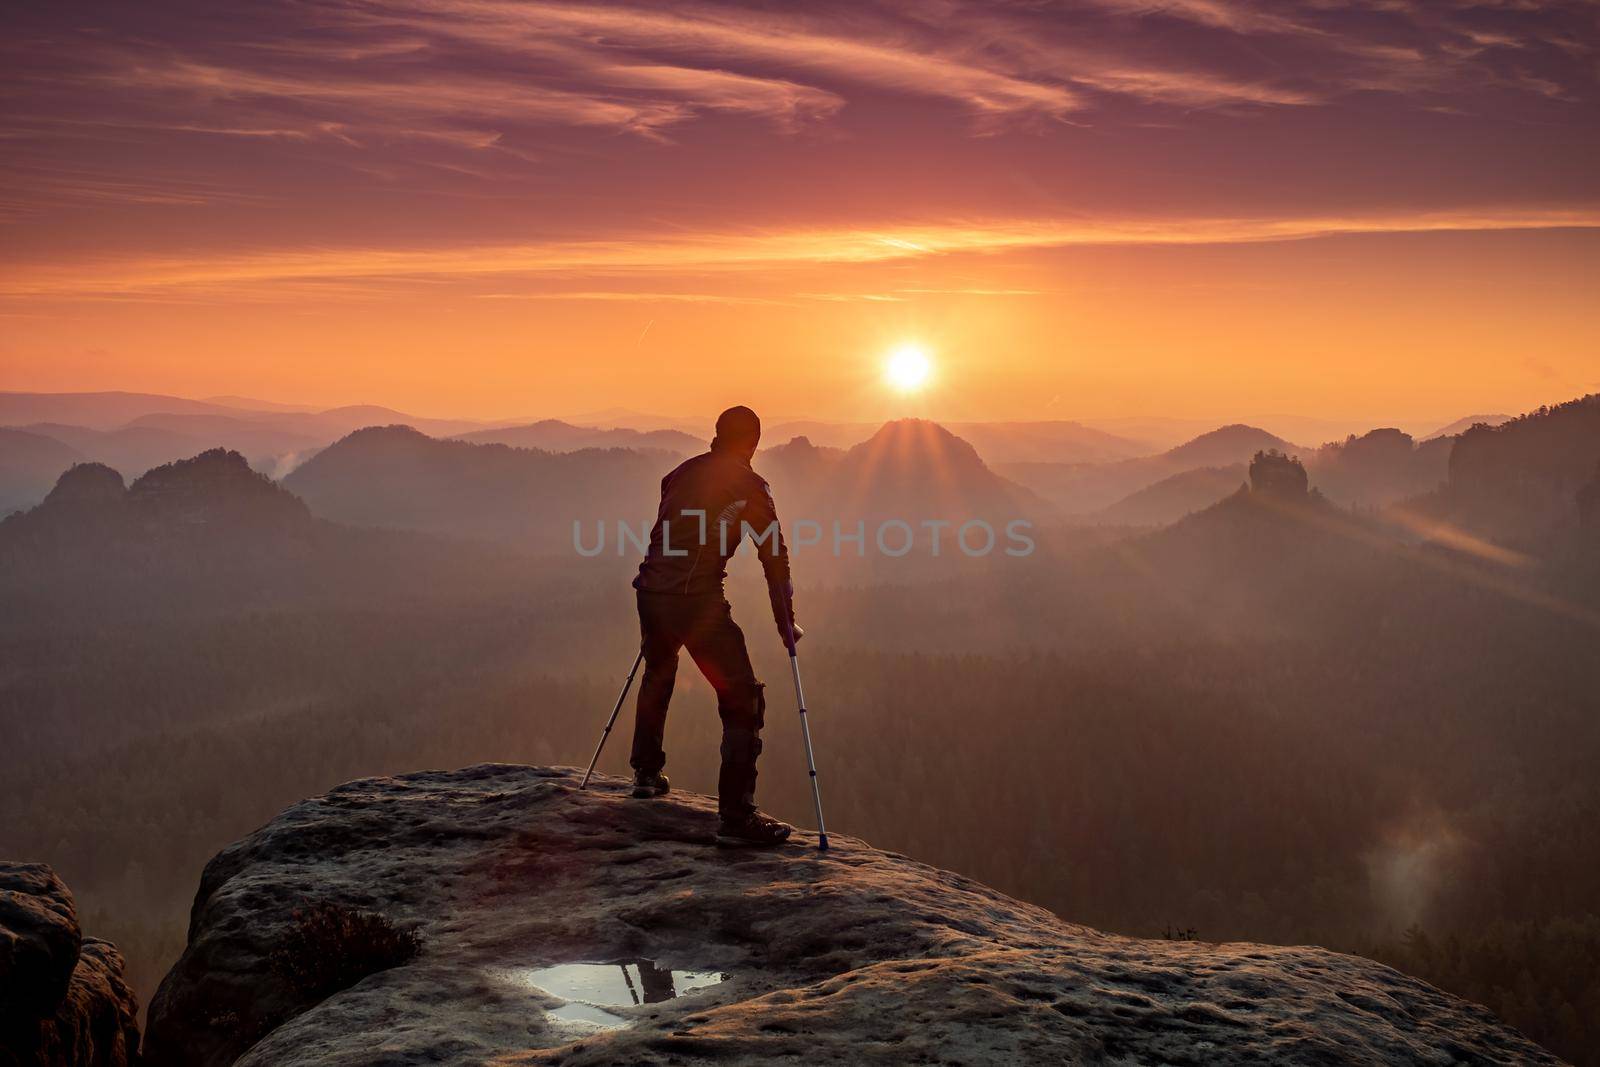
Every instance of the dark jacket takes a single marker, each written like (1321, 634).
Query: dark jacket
(707, 505)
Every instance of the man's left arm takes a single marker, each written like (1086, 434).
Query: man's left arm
(774, 555)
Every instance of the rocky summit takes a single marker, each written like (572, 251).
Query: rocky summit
(497, 914)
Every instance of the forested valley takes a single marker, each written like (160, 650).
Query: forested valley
(1269, 721)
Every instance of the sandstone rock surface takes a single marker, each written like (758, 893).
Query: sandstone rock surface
(854, 955)
(63, 999)
(39, 939)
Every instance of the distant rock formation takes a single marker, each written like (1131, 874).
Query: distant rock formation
(1274, 474)
(63, 1000)
(513, 880)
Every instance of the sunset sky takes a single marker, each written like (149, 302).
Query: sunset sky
(1199, 208)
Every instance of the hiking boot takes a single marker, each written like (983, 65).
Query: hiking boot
(647, 785)
(755, 830)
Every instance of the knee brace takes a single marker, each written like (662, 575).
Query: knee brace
(744, 706)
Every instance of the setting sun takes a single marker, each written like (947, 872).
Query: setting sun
(908, 368)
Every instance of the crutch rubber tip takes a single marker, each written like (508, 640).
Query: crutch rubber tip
(822, 843)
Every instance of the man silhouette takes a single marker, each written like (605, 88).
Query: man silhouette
(708, 503)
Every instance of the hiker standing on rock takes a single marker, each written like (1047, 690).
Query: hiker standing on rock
(708, 504)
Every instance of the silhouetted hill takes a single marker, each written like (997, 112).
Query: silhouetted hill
(333, 423)
(217, 488)
(1172, 498)
(553, 435)
(623, 418)
(1274, 557)
(910, 470)
(915, 469)
(30, 463)
(214, 497)
(136, 431)
(1164, 432)
(191, 538)
(209, 537)
(1379, 467)
(797, 462)
(1461, 426)
(277, 441)
(1158, 432)
(101, 411)
(398, 477)
(86, 486)
(1518, 483)
(1370, 470)
(1226, 444)
(1080, 489)
(1056, 441)
(247, 403)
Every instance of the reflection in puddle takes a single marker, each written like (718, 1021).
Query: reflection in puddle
(590, 988)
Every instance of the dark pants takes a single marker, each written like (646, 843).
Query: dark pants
(703, 624)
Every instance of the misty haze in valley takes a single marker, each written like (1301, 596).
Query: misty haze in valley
(1340, 693)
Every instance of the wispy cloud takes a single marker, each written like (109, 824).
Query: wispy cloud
(366, 115)
(877, 54)
(1234, 15)
(1192, 89)
(722, 252)
(436, 105)
(629, 296)
(975, 292)
(907, 294)
(855, 298)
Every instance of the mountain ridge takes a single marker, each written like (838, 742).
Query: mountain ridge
(554, 435)
(1085, 489)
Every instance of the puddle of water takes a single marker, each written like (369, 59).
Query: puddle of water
(588, 1015)
(590, 988)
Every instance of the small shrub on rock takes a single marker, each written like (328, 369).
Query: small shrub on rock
(330, 947)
